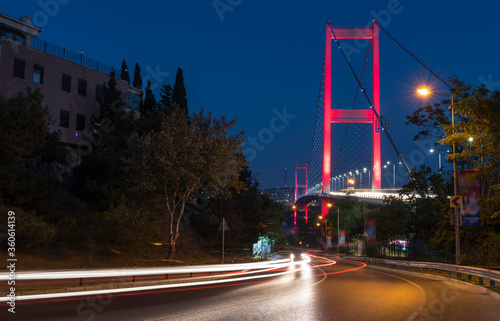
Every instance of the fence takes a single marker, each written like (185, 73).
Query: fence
(72, 56)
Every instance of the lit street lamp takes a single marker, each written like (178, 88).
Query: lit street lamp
(425, 92)
(439, 153)
(352, 182)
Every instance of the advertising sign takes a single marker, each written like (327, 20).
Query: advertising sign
(469, 190)
(342, 238)
(370, 229)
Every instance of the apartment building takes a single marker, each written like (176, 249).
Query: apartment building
(71, 83)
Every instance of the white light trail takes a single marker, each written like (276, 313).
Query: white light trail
(247, 268)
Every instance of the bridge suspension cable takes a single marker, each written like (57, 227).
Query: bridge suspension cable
(413, 56)
(316, 155)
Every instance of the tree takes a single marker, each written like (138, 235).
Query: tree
(114, 121)
(124, 72)
(166, 98)
(179, 93)
(98, 179)
(184, 156)
(29, 149)
(137, 83)
(149, 106)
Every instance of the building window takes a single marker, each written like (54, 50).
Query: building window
(66, 83)
(80, 122)
(38, 74)
(19, 68)
(64, 119)
(99, 92)
(82, 87)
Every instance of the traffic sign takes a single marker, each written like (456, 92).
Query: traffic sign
(365, 234)
(456, 201)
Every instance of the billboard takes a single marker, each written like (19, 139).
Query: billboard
(342, 238)
(370, 229)
(469, 190)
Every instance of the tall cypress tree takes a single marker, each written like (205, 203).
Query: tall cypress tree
(149, 105)
(179, 94)
(137, 83)
(124, 72)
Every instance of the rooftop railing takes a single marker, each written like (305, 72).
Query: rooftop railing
(72, 56)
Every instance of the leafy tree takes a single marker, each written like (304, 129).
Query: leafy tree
(182, 157)
(114, 122)
(137, 83)
(476, 113)
(179, 92)
(29, 150)
(125, 228)
(31, 230)
(98, 179)
(124, 72)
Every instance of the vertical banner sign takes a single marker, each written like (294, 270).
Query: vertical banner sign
(342, 238)
(370, 229)
(469, 190)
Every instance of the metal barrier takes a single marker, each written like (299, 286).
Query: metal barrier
(460, 271)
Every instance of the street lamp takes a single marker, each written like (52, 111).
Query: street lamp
(439, 153)
(425, 92)
(393, 174)
(352, 182)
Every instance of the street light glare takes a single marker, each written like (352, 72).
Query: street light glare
(423, 91)
(431, 150)
(471, 139)
(351, 181)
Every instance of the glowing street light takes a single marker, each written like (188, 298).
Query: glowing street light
(425, 92)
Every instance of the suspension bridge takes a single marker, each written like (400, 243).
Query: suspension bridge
(357, 169)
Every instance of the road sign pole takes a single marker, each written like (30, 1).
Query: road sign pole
(455, 187)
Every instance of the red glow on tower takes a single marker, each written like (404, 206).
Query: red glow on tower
(350, 115)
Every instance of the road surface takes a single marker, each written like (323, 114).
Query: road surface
(323, 291)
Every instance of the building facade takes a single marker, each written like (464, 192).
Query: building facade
(71, 83)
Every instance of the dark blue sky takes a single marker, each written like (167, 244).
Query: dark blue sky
(259, 57)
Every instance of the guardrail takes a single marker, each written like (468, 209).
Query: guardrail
(138, 279)
(464, 273)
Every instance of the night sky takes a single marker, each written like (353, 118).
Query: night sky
(253, 59)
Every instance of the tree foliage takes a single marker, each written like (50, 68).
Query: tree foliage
(124, 74)
(137, 83)
(182, 157)
(179, 92)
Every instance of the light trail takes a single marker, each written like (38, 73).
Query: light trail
(264, 267)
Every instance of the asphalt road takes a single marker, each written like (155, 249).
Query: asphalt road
(334, 292)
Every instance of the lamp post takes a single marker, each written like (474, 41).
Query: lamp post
(352, 182)
(393, 174)
(426, 92)
(439, 153)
